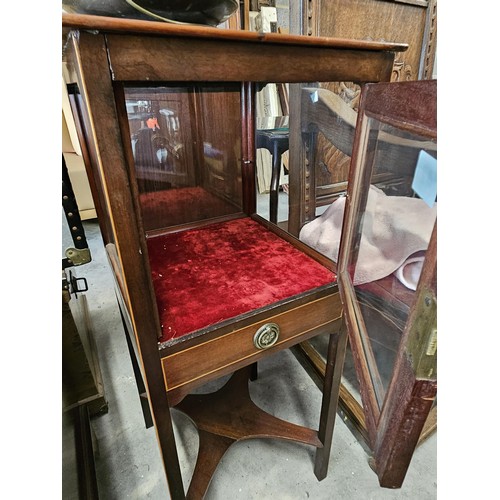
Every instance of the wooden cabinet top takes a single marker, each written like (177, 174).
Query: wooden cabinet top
(139, 27)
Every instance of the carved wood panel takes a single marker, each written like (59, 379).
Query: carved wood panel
(411, 22)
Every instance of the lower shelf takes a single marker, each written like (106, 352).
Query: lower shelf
(228, 416)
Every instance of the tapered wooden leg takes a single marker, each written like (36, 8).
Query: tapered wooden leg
(211, 450)
(227, 416)
(334, 366)
(141, 386)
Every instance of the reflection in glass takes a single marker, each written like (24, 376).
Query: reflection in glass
(187, 167)
(395, 219)
(272, 145)
(212, 259)
(393, 211)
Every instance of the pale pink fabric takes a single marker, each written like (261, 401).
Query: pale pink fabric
(394, 228)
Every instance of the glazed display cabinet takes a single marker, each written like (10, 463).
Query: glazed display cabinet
(206, 287)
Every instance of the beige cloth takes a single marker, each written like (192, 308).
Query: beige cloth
(394, 228)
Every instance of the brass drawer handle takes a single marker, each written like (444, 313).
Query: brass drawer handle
(266, 336)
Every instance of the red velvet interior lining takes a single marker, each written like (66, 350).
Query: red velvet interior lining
(170, 207)
(210, 274)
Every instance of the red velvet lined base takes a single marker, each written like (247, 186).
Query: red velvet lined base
(210, 274)
(171, 207)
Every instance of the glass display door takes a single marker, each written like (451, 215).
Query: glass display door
(387, 267)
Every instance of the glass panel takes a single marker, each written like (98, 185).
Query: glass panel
(186, 141)
(328, 111)
(272, 150)
(395, 218)
(328, 118)
(187, 155)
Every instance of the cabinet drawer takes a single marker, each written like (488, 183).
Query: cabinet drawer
(187, 369)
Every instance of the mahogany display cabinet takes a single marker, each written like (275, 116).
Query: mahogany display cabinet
(206, 287)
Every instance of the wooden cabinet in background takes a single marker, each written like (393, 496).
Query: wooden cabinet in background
(413, 22)
(409, 21)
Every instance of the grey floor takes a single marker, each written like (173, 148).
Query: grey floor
(128, 463)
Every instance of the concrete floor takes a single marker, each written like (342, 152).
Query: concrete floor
(128, 464)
